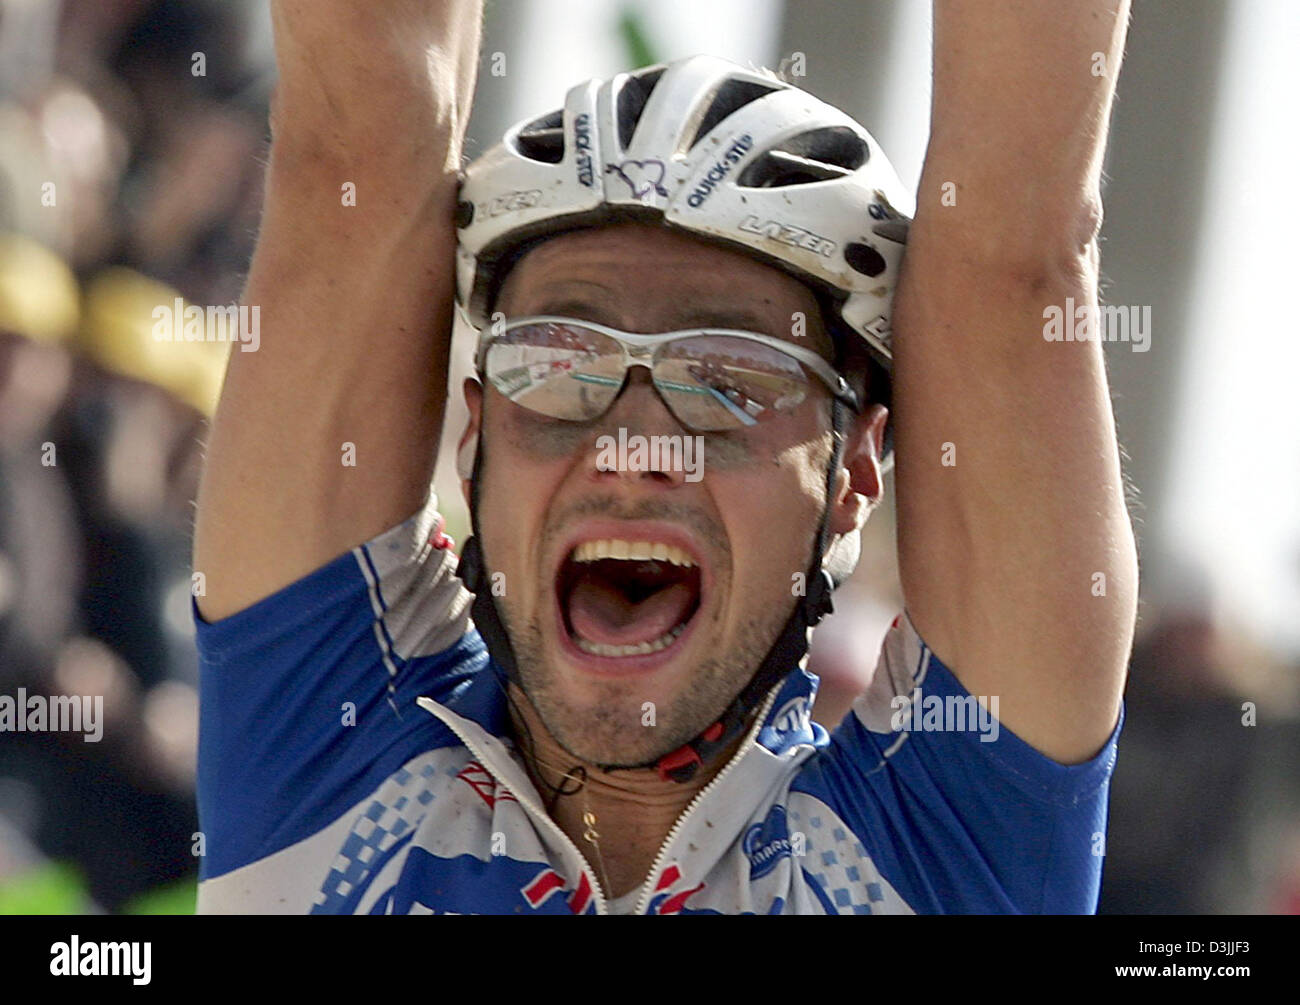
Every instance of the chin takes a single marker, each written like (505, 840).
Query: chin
(609, 722)
(602, 740)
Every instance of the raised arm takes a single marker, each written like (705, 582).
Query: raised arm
(1017, 557)
(354, 278)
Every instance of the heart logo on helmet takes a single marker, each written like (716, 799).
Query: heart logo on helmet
(642, 177)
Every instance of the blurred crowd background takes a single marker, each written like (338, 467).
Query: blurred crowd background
(132, 140)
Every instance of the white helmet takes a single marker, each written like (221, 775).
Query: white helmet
(726, 153)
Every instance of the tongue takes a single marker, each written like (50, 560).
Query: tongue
(600, 612)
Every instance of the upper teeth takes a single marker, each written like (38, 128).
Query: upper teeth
(594, 551)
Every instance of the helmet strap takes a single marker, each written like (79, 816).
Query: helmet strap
(472, 571)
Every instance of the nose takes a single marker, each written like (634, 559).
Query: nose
(641, 444)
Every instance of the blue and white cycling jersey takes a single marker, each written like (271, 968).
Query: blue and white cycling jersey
(355, 757)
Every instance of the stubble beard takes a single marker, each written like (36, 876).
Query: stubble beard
(612, 731)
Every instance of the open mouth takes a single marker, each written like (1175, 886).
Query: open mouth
(622, 598)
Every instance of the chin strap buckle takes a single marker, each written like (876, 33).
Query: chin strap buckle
(682, 763)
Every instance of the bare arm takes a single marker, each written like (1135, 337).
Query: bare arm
(1000, 548)
(356, 300)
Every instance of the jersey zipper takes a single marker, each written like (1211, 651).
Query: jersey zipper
(648, 887)
(538, 814)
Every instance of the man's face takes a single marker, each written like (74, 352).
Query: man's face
(741, 529)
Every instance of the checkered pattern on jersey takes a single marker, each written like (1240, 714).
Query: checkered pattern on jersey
(397, 809)
(837, 861)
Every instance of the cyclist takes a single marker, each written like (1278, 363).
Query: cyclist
(600, 705)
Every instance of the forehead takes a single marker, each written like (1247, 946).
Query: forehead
(645, 278)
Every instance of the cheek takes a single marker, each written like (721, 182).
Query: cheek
(524, 465)
(543, 440)
(771, 507)
(787, 442)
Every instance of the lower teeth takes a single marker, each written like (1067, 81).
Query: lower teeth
(640, 649)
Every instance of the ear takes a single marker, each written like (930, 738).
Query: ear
(467, 448)
(860, 482)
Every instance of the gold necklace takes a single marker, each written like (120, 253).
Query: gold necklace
(589, 834)
(593, 836)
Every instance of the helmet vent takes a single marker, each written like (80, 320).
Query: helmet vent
(817, 155)
(632, 98)
(543, 139)
(865, 259)
(733, 95)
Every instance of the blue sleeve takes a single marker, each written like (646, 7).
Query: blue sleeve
(962, 818)
(307, 698)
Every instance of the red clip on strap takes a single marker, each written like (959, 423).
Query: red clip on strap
(688, 755)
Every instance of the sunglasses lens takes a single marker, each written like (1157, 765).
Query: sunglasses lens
(565, 371)
(716, 382)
